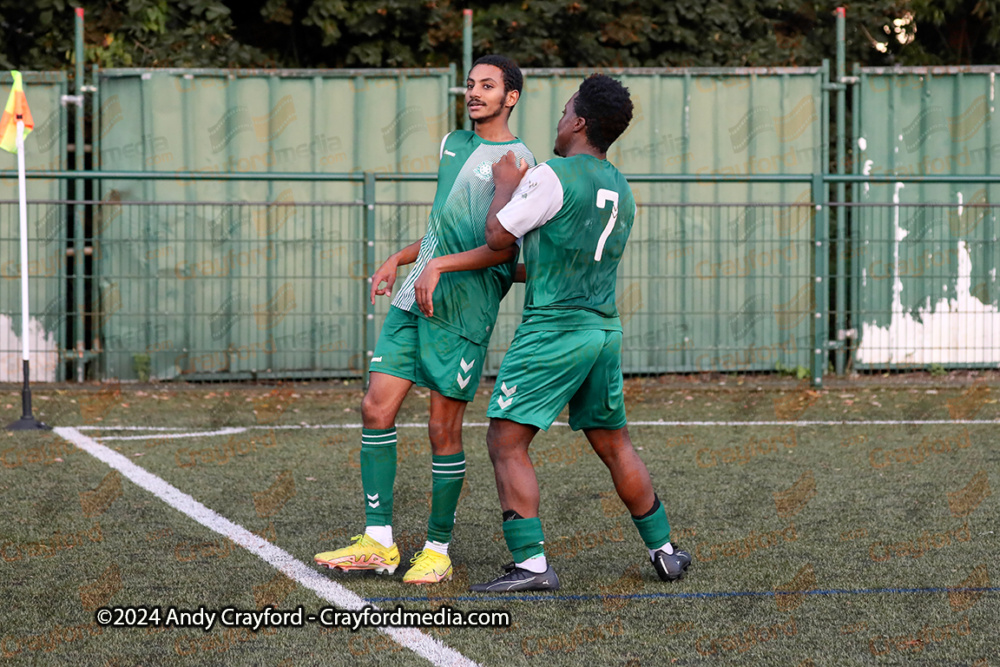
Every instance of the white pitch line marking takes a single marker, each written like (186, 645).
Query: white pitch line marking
(287, 427)
(92, 427)
(175, 436)
(411, 638)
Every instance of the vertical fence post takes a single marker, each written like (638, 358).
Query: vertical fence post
(820, 274)
(79, 260)
(840, 283)
(96, 191)
(821, 237)
(367, 269)
(853, 321)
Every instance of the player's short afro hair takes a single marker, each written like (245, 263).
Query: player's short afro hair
(606, 106)
(512, 77)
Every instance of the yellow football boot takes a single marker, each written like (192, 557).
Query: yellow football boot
(429, 567)
(364, 554)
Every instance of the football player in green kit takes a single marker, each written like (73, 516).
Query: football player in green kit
(438, 338)
(574, 213)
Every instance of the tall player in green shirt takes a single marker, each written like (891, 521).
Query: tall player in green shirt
(438, 340)
(574, 213)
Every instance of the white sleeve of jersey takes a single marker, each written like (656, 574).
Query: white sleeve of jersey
(535, 201)
(441, 152)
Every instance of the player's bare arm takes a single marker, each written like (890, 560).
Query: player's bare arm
(470, 260)
(507, 174)
(387, 272)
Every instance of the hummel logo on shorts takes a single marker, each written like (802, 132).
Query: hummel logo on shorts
(504, 404)
(463, 380)
(375, 359)
(447, 152)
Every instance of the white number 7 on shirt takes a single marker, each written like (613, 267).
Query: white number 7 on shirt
(603, 197)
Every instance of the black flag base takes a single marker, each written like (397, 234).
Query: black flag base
(27, 422)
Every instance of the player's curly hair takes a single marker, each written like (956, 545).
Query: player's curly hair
(606, 106)
(512, 77)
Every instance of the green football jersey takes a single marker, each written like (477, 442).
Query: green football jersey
(575, 215)
(465, 302)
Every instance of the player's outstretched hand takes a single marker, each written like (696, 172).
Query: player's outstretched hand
(508, 171)
(385, 274)
(424, 288)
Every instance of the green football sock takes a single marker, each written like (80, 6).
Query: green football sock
(524, 538)
(378, 474)
(654, 529)
(447, 475)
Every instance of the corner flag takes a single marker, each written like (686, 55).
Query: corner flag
(15, 124)
(16, 109)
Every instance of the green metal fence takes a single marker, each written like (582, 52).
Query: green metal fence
(210, 290)
(195, 265)
(925, 280)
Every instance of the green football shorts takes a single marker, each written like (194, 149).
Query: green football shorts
(414, 348)
(544, 370)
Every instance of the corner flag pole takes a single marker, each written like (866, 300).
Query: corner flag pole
(27, 422)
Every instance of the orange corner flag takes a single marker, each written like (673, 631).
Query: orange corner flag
(16, 109)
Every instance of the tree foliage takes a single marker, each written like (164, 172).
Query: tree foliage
(537, 33)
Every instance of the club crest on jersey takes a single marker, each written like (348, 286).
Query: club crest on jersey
(484, 171)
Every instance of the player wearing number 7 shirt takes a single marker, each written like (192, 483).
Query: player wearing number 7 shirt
(574, 214)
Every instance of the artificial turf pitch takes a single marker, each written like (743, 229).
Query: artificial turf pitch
(863, 543)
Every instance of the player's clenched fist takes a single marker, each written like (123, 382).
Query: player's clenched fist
(508, 171)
